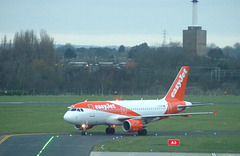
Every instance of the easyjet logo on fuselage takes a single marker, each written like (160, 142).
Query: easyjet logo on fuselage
(179, 83)
(105, 107)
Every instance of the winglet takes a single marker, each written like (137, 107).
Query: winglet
(177, 90)
(215, 112)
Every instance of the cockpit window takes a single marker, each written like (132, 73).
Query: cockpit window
(76, 109)
(80, 110)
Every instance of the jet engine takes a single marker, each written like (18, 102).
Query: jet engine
(132, 125)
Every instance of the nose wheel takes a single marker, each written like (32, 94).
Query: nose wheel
(84, 132)
(110, 130)
(84, 128)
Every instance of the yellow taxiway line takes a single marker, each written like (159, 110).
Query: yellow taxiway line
(5, 137)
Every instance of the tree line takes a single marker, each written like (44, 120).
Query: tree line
(31, 64)
(27, 64)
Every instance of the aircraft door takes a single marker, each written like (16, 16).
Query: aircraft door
(92, 111)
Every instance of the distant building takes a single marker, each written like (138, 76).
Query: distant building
(195, 39)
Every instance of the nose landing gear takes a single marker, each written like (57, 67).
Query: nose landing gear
(84, 128)
(84, 132)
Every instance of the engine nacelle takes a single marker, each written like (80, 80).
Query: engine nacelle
(132, 125)
(80, 127)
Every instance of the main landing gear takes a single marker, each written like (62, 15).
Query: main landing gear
(142, 132)
(110, 130)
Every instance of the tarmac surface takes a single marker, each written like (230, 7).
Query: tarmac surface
(78, 145)
(49, 145)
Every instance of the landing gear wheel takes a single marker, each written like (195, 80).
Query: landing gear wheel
(142, 132)
(84, 132)
(110, 130)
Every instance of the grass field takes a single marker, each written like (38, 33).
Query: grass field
(49, 119)
(194, 144)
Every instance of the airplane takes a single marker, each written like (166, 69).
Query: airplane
(132, 115)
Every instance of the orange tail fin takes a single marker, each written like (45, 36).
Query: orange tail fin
(177, 90)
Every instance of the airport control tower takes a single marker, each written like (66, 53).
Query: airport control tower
(195, 39)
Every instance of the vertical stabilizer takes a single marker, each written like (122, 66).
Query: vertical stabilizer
(177, 90)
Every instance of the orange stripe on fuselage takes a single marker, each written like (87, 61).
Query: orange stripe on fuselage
(106, 106)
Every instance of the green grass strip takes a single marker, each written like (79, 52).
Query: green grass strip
(188, 144)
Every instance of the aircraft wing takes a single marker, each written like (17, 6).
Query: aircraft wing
(122, 118)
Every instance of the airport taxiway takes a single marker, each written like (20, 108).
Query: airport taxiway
(40, 144)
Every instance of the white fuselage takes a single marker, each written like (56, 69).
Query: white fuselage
(99, 115)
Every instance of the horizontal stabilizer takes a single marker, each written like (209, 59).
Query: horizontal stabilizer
(215, 112)
(194, 105)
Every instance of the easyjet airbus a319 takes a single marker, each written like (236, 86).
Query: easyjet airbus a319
(132, 115)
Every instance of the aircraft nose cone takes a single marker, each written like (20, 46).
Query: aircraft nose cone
(67, 117)
(70, 117)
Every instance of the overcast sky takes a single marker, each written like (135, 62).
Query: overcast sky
(117, 22)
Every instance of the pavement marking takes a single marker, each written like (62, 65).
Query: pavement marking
(45, 145)
(5, 137)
